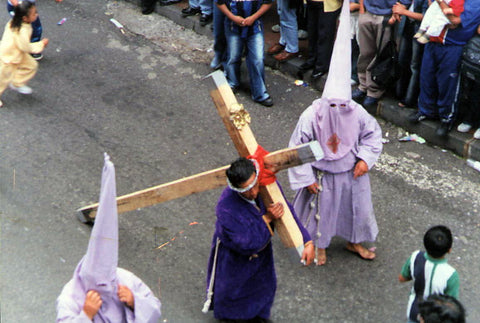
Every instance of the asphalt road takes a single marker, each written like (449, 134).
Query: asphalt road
(140, 97)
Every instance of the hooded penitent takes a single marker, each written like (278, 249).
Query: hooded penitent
(335, 109)
(97, 269)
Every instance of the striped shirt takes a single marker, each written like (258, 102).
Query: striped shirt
(440, 278)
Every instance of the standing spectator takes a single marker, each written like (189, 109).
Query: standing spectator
(429, 270)
(322, 25)
(287, 47)
(17, 67)
(36, 26)
(244, 29)
(410, 52)
(148, 6)
(440, 67)
(469, 97)
(370, 25)
(202, 7)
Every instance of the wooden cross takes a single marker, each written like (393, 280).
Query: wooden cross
(236, 120)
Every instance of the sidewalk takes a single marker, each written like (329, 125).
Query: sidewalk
(460, 143)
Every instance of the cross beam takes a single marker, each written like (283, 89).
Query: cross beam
(236, 120)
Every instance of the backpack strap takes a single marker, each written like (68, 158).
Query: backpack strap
(419, 283)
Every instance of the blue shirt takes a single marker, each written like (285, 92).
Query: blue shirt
(244, 8)
(383, 7)
(470, 20)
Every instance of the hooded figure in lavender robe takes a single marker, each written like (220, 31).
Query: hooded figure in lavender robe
(241, 280)
(337, 202)
(111, 290)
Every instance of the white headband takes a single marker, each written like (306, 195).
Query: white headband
(249, 187)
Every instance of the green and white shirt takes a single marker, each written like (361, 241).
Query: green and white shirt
(440, 277)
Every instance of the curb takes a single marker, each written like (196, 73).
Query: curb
(462, 144)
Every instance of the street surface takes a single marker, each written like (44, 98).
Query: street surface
(140, 97)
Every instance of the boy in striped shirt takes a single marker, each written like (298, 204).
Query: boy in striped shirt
(430, 272)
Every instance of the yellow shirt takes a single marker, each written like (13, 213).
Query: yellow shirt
(330, 5)
(16, 44)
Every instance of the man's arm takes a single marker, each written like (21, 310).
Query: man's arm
(400, 9)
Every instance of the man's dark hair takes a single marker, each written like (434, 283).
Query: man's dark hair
(441, 309)
(438, 241)
(21, 10)
(240, 171)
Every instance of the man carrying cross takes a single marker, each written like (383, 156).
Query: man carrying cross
(241, 275)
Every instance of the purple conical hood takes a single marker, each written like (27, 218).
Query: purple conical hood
(338, 81)
(98, 267)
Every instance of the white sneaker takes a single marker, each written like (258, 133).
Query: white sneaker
(21, 89)
(276, 28)
(464, 127)
(476, 135)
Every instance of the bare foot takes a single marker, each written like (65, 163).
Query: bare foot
(360, 250)
(321, 257)
(401, 104)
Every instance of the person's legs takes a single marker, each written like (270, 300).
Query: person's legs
(367, 39)
(234, 58)
(256, 70)
(24, 71)
(326, 39)
(428, 84)
(288, 26)
(219, 40)
(404, 59)
(411, 97)
(447, 78)
(312, 19)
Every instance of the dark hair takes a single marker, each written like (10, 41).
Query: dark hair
(240, 171)
(21, 10)
(442, 309)
(438, 241)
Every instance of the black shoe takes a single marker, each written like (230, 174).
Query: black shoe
(306, 66)
(316, 75)
(205, 19)
(358, 95)
(268, 102)
(416, 117)
(189, 11)
(443, 129)
(148, 10)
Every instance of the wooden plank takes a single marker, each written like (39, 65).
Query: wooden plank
(246, 144)
(201, 182)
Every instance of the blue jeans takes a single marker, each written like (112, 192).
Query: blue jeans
(219, 40)
(36, 25)
(439, 80)
(206, 6)
(255, 54)
(288, 26)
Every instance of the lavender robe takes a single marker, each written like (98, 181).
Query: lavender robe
(147, 306)
(245, 280)
(345, 203)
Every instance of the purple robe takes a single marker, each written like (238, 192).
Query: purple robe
(344, 207)
(98, 270)
(244, 279)
(147, 306)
